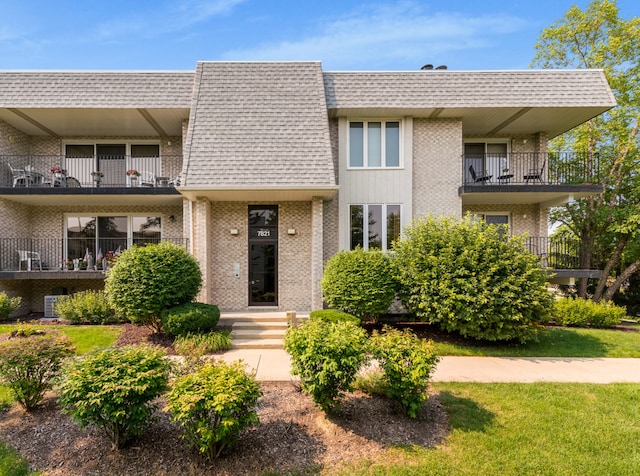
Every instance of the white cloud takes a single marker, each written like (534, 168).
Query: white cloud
(170, 17)
(388, 34)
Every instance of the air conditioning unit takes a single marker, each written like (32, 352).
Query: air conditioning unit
(49, 301)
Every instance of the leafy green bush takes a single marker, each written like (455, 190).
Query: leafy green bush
(465, 276)
(583, 313)
(213, 404)
(326, 356)
(28, 365)
(359, 282)
(86, 307)
(332, 315)
(407, 362)
(112, 389)
(190, 318)
(8, 305)
(147, 280)
(201, 344)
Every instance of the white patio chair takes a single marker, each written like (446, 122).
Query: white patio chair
(147, 179)
(30, 258)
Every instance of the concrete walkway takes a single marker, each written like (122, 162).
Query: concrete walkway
(275, 365)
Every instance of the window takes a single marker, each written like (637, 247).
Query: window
(101, 234)
(489, 157)
(374, 144)
(380, 229)
(498, 219)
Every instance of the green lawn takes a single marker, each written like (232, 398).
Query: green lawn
(527, 429)
(556, 342)
(85, 338)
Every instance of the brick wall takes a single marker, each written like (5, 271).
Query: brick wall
(437, 152)
(525, 218)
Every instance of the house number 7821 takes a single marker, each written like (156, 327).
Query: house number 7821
(263, 233)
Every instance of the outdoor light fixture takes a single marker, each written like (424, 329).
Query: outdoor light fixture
(172, 218)
(233, 231)
(291, 231)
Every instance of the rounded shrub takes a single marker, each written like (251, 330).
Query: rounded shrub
(327, 357)
(213, 405)
(407, 362)
(359, 282)
(332, 315)
(8, 305)
(113, 389)
(576, 312)
(86, 307)
(147, 280)
(190, 318)
(28, 365)
(467, 277)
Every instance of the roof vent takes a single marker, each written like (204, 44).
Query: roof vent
(443, 66)
(427, 67)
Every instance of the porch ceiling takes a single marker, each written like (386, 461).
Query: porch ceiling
(545, 195)
(269, 194)
(96, 122)
(93, 199)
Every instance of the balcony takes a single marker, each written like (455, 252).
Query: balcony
(529, 177)
(29, 258)
(32, 178)
(560, 256)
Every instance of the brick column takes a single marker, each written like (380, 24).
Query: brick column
(317, 252)
(201, 225)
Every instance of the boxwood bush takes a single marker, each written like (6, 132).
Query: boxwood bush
(332, 315)
(86, 307)
(213, 405)
(576, 312)
(359, 282)
(467, 277)
(327, 357)
(190, 318)
(28, 365)
(147, 280)
(8, 305)
(113, 389)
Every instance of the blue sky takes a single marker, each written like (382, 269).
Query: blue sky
(343, 34)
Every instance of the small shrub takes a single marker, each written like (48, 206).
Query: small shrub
(147, 280)
(407, 362)
(8, 305)
(201, 344)
(332, 315)
(27, 330)
(28, 365)
(583, 313)
(190, 318)
(213, 405)
(359, 282)
(327, 357)
(112, 389)
(86, 307)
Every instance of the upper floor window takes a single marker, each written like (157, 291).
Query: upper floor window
(374, 144)
(378, 231)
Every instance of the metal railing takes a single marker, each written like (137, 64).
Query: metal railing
(50, 254)
(556, 252)
(91, 172)
(530, 168)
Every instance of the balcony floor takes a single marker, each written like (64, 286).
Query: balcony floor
(92, 195)
(50, 275)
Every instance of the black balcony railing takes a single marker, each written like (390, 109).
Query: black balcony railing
(92, 172)
(530, 168)
(555, 252)
(30, 254)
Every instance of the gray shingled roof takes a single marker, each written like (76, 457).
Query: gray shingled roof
(258, 124)
(467, 89)
(86, 89)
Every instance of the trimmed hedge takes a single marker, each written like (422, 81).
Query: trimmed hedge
(584, 313)
(86, 307)
(332, 315)
(190, 318)
(359, 282)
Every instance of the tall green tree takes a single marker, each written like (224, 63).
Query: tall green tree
(605, 224)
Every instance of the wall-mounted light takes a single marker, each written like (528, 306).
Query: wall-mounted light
(233, 231)
(291, 231)
(172, 218)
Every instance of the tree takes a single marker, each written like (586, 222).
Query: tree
(606, 224)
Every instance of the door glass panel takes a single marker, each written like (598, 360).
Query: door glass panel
(81, 233)
(263, 255)
(112, 162)
(496, 159)
(112, 233)
(145, 230)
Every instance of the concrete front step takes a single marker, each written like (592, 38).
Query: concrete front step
(258, 330)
